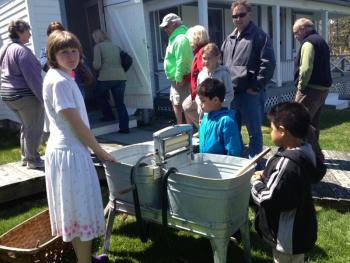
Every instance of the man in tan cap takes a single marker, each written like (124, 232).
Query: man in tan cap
(177, 62)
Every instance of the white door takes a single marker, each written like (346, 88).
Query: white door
(125, 26)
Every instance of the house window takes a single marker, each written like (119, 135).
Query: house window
(162, 37)
(270, 22)
(215, 23)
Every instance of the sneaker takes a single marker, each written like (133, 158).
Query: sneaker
(103, 258)
(39, 165)
(23, 163)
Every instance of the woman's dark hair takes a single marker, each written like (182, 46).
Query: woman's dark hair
(294, 116)
(59, 40)
(212, 88)
(54, 25)
(17, 25)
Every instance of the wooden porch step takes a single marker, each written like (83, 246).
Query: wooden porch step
(100, 128)
(17, 181)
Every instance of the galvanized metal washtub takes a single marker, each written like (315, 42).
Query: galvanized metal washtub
(148, 182)
(205, 194)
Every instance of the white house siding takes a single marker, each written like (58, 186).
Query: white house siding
(41, 13)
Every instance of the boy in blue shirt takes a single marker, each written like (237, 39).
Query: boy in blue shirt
(218, 130)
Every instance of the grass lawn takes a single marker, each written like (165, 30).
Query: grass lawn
(169, 245)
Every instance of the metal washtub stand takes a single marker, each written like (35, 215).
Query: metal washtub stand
(165, 182)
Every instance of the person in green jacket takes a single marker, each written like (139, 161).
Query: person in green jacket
(177, 62)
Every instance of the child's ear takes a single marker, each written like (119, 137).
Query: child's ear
(282, 129)
(216, 100)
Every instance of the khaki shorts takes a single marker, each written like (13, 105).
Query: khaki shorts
(190, 108)
(179, 94)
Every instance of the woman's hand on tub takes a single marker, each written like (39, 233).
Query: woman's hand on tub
(105, 156)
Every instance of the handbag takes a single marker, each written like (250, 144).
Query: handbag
(84, 74)
(126, 60)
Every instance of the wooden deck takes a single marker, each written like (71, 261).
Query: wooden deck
(18, 182)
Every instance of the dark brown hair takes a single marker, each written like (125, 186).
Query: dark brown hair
(59, 40)
(294, 116)
(17, 25)
(212, 88)
(54, 25)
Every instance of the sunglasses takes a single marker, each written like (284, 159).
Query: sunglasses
(240, 15)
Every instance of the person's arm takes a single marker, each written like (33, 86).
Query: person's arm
(97, 58)
(43, 60)
(306, 65)
(31, 72)
(183, 56)
(84, 134)
(282, 191)
(229, 90)
(267, 62)
(231, 137)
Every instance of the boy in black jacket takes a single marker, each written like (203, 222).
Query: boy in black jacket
(286, 217)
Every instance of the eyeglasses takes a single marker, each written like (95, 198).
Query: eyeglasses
(239, 15)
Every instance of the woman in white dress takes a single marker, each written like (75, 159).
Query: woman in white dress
(73, 190)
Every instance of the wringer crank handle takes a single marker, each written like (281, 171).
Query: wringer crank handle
(253, 161)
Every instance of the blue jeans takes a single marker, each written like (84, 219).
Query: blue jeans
(117, 87)
(250, 111)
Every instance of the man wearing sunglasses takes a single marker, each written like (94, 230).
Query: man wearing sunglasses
(249, 55)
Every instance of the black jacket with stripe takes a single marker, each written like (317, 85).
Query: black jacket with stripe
(286, 217)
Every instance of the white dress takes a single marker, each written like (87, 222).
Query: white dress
(73, 189)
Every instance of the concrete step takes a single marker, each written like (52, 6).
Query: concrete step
(99, 128)
(333, 101)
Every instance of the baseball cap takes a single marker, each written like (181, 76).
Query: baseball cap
(171, 17)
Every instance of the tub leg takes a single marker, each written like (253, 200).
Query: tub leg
(109, 227)
(246, 241)
(219, 248)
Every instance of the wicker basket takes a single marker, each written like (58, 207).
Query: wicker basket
(31, 241)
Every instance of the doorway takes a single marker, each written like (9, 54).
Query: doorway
(83, 17)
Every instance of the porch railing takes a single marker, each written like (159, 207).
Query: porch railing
(340, 64)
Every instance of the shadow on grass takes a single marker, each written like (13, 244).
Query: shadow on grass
(317, 253)
(171, 245)
(332, 117)
(12, 208)
(341, 206)
(9, 138)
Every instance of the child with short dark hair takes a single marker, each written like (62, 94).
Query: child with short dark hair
(218, 131)
(286, 217)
